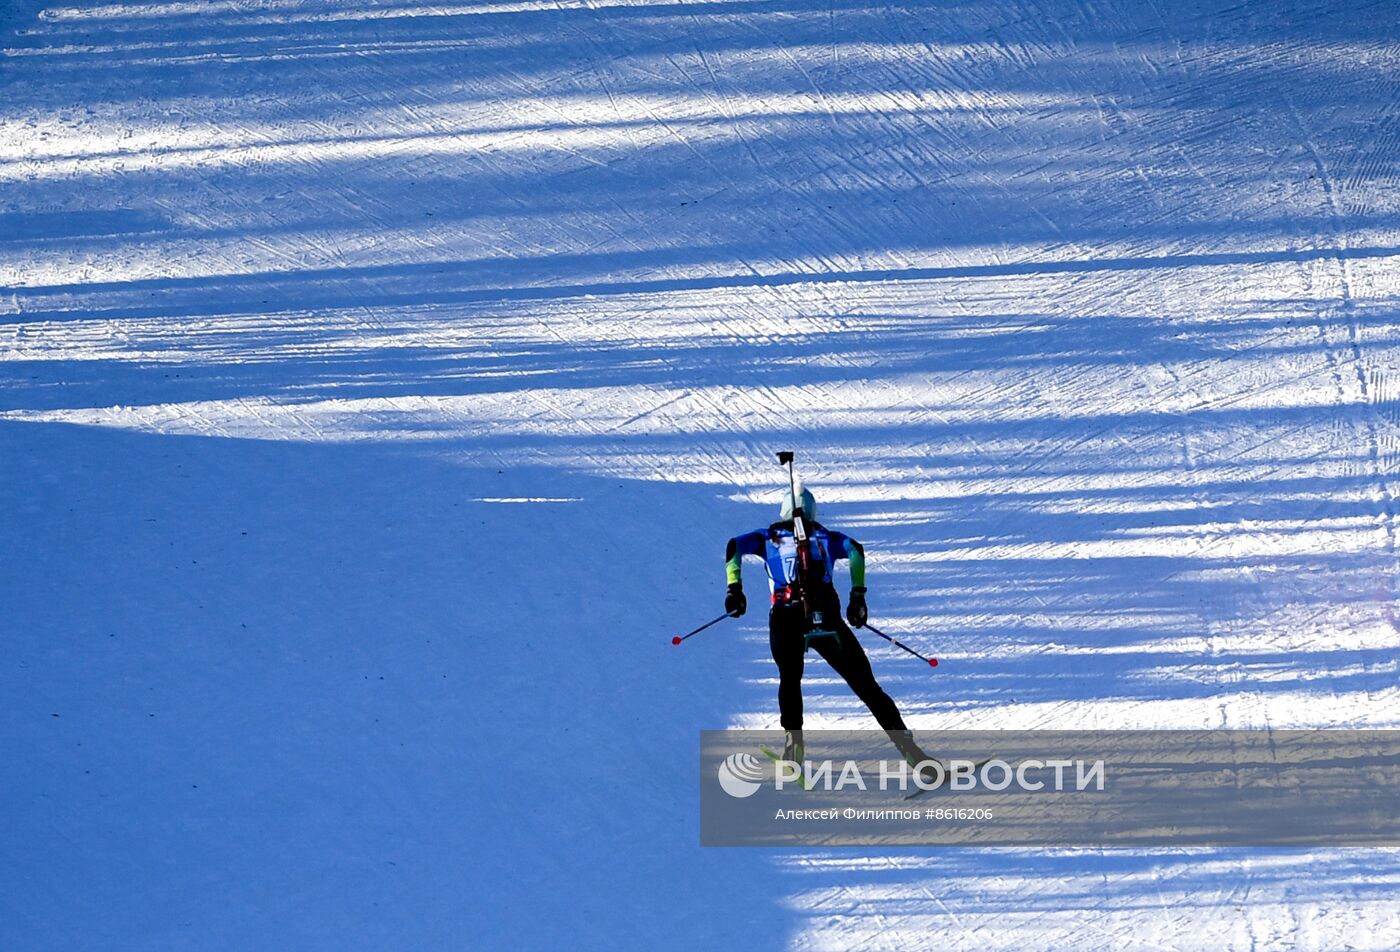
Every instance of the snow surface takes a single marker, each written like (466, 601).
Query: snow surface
(380, 381)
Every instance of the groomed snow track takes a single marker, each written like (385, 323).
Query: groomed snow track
(360, 363)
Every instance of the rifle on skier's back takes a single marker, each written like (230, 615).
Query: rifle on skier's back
(804, 586)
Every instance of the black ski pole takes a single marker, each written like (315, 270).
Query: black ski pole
(932, 662)
(679, 638)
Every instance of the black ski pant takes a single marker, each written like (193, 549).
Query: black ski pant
(787, 637)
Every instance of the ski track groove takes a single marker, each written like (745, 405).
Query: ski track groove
(1347, 307)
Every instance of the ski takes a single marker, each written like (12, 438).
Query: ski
(779, 759)
(921, 791)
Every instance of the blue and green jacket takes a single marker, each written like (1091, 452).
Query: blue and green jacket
(777, 546)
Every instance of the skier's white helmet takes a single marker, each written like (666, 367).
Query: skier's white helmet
(809, 503)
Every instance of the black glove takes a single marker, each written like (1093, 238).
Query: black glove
(855, 607)
(734, 601)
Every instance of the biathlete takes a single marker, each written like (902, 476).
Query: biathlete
(806, 613)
